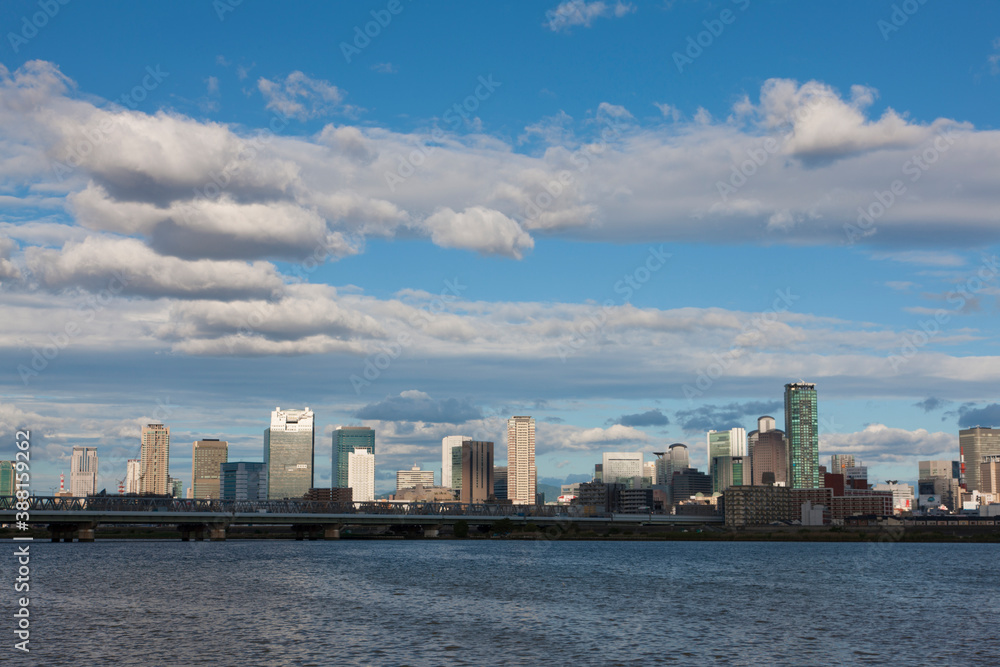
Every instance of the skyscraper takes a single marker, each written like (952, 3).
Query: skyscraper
(361, 474)
(839, 463)
(448, 442)
(521, 460)
(289, 445)
(477, 471)
(973, 444)
(768, 455)
(7, 483)
(622, 468)
(243, 480)
(83, 472)
(206, 458)
(802, 433)
(154, 460)
(407, 479)
(132, 473)
(725, 444)
(346, 439)
(500, 482)
(678, 459)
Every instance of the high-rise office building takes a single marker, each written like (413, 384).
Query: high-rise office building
(456, 468)
(929, 469)
(500, 482)
(729, 471)
(802, 434)
(154, 460)
(7, 480)
(175, 487)
(346, 439)
(622, 468)
(764, 424)
(973, 444)
(407, 479)
(448, 443)
(83, 472)
(289, 446)
(769, 463)
(724, 444)
(521, 460)
(989, 475)
(243, 480)
(839, 463)
(678, 459)
(649, 473)
(477, 471)
(361, 474)
(206, 458)
(132, 476)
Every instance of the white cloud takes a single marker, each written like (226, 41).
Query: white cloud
(301, 97)
(881, 443)
(128, 267)
(478, 228)
(573, 13)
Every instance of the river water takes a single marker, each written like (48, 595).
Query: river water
(424, 602)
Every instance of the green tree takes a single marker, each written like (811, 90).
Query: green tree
(461, 529)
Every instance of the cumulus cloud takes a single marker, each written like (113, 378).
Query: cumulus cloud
(129, 267)
(484, 230)
(415, 405)
(881, 443)
(722, 417)
(973, 415)
(551, 437)
(648, 418)
(7, 268)
(301, 96)
(573, 13)
(931, 404)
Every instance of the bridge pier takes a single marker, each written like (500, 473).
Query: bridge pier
(217, 534)
(85, 535)
(187, 529)
(432, 531)
(331, 532)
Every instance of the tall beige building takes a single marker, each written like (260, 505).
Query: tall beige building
(207, 456)
(154, 459)
(521, 460)
(975, 443)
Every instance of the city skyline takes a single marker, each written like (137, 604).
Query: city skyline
(426, 241)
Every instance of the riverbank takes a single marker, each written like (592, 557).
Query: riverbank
(601, 533)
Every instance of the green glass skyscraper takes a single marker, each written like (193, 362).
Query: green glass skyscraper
(802, 433)
(345, 440)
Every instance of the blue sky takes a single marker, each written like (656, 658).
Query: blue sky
(169, 173)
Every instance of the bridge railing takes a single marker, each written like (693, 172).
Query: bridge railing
(289, 506)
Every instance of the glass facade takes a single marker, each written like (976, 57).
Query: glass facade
(289, 445)
(345, 440)
(7, 478)
(243, 480)
(206, 457)
(802, 433)
(456, 468)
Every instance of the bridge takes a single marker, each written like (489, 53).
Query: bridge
(67, 518)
